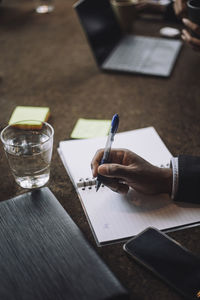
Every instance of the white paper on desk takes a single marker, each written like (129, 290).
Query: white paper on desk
(112, 216)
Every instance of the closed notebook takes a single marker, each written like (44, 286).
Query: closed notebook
(44, 255)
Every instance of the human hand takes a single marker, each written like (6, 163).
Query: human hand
(180, 8)
(194, 42)
(127, 169)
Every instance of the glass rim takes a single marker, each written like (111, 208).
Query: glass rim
(191, 5)
(23, 121)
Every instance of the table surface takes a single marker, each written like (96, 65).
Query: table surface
(46, 61)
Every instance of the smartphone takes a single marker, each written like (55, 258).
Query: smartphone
(165, 257)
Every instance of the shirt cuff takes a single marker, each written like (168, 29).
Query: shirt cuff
(174, 166)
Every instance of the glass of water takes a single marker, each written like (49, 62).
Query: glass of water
(28, 146)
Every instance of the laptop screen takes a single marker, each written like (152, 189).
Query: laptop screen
(100, 25)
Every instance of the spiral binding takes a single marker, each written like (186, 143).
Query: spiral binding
(165, 166)
(89, 182)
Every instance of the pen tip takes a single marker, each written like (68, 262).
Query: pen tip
(98, 186)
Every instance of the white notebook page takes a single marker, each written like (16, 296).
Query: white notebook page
(112, 216)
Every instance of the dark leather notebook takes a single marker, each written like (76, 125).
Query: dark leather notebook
(44, 255)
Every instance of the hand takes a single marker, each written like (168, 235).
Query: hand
(194, 42)
(180, 8)
(127, 169)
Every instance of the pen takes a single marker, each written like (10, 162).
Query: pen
(110, 139)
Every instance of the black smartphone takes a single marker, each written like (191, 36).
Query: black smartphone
(173, 263)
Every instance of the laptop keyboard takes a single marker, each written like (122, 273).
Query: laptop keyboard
(142, 54)
(131, 52)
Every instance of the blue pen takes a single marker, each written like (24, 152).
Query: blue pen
(110, 139)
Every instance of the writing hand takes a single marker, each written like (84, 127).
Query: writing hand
(127, 169)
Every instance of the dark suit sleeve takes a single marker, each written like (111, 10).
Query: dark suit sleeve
(188, 179)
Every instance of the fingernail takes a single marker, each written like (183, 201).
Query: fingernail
(101, 170)
(185, 21)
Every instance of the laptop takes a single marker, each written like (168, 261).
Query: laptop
(45, 256)
(116, 51)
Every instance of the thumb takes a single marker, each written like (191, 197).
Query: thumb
(114, 170)
(194, 27)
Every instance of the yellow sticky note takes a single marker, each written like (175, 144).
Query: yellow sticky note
(90, 128)
(26, 113)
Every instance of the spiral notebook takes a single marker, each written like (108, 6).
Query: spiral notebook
(114, 217)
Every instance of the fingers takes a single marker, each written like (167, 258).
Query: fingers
(116, 155)
(120, 188)
(114, 171)
(116, 186)
(113, 183)
(96, 161)
(186, 36)
(194, 27)
(192, 41)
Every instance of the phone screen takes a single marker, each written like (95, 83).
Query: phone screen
(167, 259)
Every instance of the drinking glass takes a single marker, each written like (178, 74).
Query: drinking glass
(126, 13)
(28, 146)
(193, 7)
(44, 6)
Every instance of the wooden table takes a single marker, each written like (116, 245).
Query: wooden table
(45, 61)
